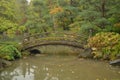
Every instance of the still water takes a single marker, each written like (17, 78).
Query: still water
(59, 68)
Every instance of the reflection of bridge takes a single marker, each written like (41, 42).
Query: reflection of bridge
(43, 39)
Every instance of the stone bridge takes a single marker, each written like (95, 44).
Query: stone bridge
(55, 38)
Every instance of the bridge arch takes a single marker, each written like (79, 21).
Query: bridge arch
(45, 43)
(44, 39)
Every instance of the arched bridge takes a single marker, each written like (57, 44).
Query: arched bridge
(55, 38)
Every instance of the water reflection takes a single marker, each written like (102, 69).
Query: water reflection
(59, 68)
(22, 71)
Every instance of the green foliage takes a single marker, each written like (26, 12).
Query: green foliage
(21, 8)
(6, 24)
(89, 29)
(7, 9)
(38, 17)
(48, 15)
(9, 52)
(21, 29)
(105, 45)
(101, 13)
(116, 27)
(16, 44)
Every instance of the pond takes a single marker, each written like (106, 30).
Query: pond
(59, 68)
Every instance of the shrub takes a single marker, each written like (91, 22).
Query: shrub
(14, 43)
(9, 52)
(105, 45)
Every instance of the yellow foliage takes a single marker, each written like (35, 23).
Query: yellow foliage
(117, 25)
(56, 10)
(105, 45)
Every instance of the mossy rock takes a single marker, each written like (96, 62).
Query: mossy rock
(4, 64)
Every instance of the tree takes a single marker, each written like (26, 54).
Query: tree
(38, 17)
(8, 21)
(66, 11)
(98, 12)
(21, 11)
(7, 15)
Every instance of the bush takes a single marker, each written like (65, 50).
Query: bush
(14, 43)
(9, 52)
(105, 45)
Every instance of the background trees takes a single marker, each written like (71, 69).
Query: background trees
(69, 14)
(11, 17)
(84, 16)
(38, 16)
(100, 13)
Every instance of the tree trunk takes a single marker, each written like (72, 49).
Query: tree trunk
(71, 3)
(103, 12)
(103, 8)
(54, 24)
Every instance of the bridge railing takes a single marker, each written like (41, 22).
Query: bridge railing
(66, 36)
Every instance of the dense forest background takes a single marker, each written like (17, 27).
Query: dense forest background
(83, 16)
(88, 17)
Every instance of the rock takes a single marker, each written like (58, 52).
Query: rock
(86, 53)
(118, 56)
(115, 62)
(4, 63)
(1, 63)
